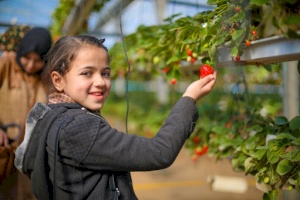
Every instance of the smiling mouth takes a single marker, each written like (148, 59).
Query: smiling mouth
(97, 93)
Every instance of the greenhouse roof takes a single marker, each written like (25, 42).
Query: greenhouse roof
(29, 12)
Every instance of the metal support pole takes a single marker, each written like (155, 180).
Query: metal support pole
(161, 9)
(163, 89)
(290, 105)
(290, 89)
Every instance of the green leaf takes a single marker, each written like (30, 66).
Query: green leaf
(274, 151)
(294, 19)
(257, 128)
(238, 161)
(292, 181)
(262, 147)
(274, 177)
(281, 120)
(259, 2)
(296, 133)
(262, 170)
(285, 135)
(173, 59)
(296, 141)
(295, 123)
(296, 158)
(273, 195)
(292, 34)
(283, 167)
(250, 164)
(291, 153)
(238, 34)
(234, 51)
(268, 67)
(169, 19)
(258, 154)
(210, 2)
(272, 156)
(251, 143)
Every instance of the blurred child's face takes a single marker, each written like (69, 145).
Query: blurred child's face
(88, 79)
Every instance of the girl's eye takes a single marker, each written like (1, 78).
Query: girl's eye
(105, 74)
(86, 73)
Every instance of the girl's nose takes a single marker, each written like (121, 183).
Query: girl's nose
(98, 81)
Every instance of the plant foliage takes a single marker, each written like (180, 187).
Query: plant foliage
(232, 23)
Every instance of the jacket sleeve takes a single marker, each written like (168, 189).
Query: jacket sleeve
(95, 145)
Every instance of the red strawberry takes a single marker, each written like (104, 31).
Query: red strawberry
(196, 139)
(194, 157)
(247, 43)
(205, 70)
(192, 60)
(198, 151)
(237, 9)
(165, 70)
(173, 81)
(204, 149)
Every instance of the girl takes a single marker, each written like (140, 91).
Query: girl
(80, 156)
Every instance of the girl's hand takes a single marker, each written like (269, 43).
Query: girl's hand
(201, 87)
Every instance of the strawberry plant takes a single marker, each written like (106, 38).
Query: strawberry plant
(267, 148)
(233, 24)
(274, 162)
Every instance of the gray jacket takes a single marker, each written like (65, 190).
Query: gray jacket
(89, 151)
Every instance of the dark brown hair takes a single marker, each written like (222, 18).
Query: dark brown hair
(61, 55)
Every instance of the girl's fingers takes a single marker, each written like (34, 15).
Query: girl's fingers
(209, 81)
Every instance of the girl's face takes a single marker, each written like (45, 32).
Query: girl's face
(88, 80)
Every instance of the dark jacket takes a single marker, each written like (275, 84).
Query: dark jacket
(89, 151)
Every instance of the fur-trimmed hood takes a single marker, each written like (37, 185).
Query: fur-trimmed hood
(34, 116)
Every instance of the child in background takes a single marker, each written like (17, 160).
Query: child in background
(80, 156)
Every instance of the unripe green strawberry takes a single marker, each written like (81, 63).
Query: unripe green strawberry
(266, 180)
(205, 70)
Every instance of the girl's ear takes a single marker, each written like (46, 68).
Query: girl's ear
(57, 81)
